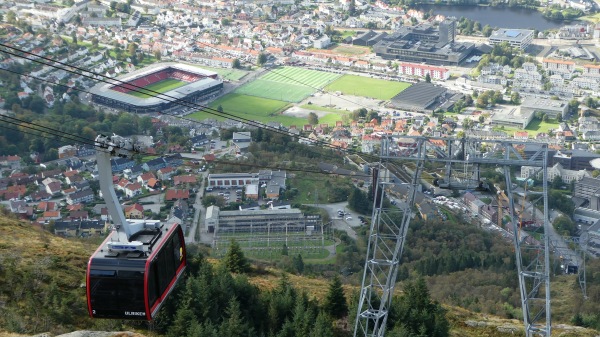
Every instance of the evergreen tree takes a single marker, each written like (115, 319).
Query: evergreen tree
(284, 250)
(427, 78)
(235, 261)
(322, 327)
(335, 301)
(298, 264)
(416, 314)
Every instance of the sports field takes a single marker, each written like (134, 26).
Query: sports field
(249, 107)
(367, 87)
(288, 84)
(160, 87)
(229, 74)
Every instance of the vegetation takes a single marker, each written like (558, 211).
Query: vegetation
(288, 84)
(158, 87)
(367, 87)
(248, 107)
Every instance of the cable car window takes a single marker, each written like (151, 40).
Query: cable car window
(165, 267)
(152, 284)
(103, 289)
(131, 290)
(176, 250)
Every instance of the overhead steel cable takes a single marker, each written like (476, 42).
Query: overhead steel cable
(147, 91)
(25, 124)
(271, 70)
(157, 94)
(48, 129)
(65, 135)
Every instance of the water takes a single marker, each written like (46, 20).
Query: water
(500, 17)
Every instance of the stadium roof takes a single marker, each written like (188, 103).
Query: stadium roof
(104, 89)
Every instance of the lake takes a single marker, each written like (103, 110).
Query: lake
(501, 17)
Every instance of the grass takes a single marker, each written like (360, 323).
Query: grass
(160, 87)
(367, 87)
(229, 74)
(288, 84)
(333, 115)
(595, 18)
(249, 107)
(351, 50)
(536, 126)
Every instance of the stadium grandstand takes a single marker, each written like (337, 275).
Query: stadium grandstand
(181, 82)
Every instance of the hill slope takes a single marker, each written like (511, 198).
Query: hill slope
(42, 278)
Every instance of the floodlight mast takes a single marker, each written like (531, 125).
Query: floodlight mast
(107, 147)
(388, 234)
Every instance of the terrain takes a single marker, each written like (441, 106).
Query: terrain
(42, 288)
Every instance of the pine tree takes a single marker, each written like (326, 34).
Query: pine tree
(235, 261)
(322, 327)
(416, 314)
(335, 302)
(298, 264)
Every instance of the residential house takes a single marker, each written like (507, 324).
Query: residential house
(473, 203)
(54, 188)
(51, 215)
(175, 194)
(145, 177)
(120, 164)
(166, 173)
(80, 215)
(132, 190)
(82, 197)
(135, 211)
(184, 180)
(521, 135)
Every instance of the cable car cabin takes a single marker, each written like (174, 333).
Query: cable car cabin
(132, 283)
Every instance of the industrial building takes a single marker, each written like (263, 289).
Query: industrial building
(519, 38)
(424, 44)
(512, 117)
(421, 97)
(263, 221)
(552, 108)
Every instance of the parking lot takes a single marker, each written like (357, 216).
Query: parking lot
(230, 194)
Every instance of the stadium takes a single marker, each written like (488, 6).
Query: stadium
(175, 81)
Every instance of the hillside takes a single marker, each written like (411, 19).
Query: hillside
(42, 277)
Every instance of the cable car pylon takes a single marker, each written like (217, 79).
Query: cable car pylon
(389, 226)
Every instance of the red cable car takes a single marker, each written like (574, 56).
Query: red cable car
(135, 269)
(126, 283)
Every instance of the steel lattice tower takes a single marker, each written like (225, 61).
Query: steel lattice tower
(389, 226)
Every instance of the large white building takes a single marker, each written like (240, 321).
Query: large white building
(559, 67)
(557, 170)
(520, 38)
(421, 70)
(552, 108)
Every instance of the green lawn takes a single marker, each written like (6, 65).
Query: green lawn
(160, 87)
(333, 115)
(536, 126)
(288, 84)
(367, 87)
(249, 107)
(229, 74)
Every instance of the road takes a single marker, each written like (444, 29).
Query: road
(199, 213)
(557, 242)
(561, 247)
(339, 223)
